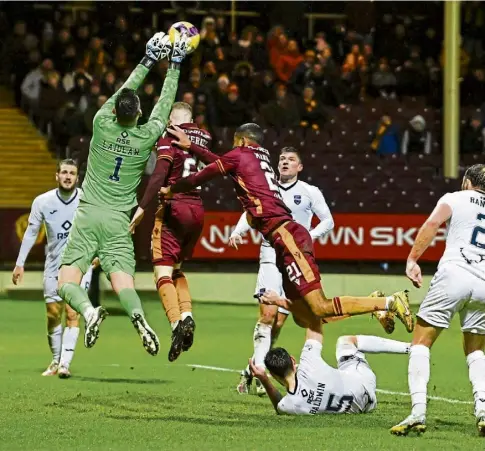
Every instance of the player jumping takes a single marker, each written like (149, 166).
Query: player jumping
(55, 210)
(178, 225)
(248, 164)
(317, 388)
(457, 287)
(304, 201)
(118, 154)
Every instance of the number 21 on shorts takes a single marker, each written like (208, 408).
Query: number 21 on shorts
(115, 176)
(293, 271)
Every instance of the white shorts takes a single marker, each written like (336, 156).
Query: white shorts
(270, 278)
(50, 286)
(453, 289)
(358, 374)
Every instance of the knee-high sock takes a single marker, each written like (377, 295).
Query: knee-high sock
(183, 293)
(350, 305)
(169, 298)
(418, 377)
(375, 345)
(262, 343)
(476, 373)
(54, 337)
(76, 297)
(69, 340)
(130, 301)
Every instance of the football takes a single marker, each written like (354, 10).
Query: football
(191, 31)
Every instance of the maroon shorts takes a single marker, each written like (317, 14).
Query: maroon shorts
(178, 226)
(295, 260)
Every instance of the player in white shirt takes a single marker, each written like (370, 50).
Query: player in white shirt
(304, 201)
(55, 210)
(457, 287)
(314, 387)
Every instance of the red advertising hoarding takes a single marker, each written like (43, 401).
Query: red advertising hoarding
(378, 237)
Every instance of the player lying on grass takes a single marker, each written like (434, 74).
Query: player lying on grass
(248, 164)
(304, 201)
(316, 387)
(118, 154)
(178, 225)
(55, 211)
(457, 287)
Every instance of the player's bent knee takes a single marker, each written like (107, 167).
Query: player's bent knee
(54, 314)
(473, 342)
(267, 314)
(162, 271)
(72, 317)
(121, 280)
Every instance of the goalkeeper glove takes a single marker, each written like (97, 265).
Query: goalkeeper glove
(157, 48)
(179, 50)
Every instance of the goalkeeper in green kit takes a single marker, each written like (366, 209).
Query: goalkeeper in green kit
(118, 154)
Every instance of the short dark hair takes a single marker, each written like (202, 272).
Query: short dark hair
(278, 362)
(127, 106)
(251, 131)
(68, 161)
(476, 175)
(290, 149)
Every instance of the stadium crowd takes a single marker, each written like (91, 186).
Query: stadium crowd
(65, 70)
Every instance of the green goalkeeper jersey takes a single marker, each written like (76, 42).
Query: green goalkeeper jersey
(118, 155)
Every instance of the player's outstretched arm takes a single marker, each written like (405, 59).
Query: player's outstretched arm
(241, 228)
(28, 241)
(157, 122)
(184, 142)
(425, 237)
(273, 394)
(321, 210)
(157, 48)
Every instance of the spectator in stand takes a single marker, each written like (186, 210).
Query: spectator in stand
(385, 140)
(108, 83)
(282, 112)
(369, 57)
(208, 40)
(69, 79)
(61, 42)
(354, 61)
(326, 85)
(263, 89)
(147, 100)
(310, 110)
(232, 111)
(121, 35)
(277, 45)
(95, 57)
(52, 98)
(259, 54)
(353, 73)
(16, 57)
(120, 60)
(209, 74)
(80, 90)
(91, 98)
(416, 138)
(297, 79)
(431, 45)
(472, 136)
(473, 88)
(195, 82)
(188, 97)
(82, 39)
(383, 81)
(288, 62)
(242, 77)
(31, 85)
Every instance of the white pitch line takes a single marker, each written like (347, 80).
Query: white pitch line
(386, 392)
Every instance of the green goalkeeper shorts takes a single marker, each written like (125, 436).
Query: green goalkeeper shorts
(100, 232)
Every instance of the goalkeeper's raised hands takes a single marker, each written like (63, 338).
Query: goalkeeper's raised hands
(180, 46)
(157, 48)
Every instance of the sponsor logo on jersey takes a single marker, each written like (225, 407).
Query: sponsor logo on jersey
(66, 225)
(52, 212)
(297, 199)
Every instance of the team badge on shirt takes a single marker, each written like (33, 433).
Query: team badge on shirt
(297, 199)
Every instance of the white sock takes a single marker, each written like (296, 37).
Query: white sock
(186, 315)
(262, 343)
(174, 324)
(375, 345)
(54, 337)
(389, 302)
(418, 377)
(69, 340)
(476, 373)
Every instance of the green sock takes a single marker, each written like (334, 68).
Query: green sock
(130, 301)
(76, 297)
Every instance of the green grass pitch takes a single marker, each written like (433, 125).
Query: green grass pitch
(120, 398)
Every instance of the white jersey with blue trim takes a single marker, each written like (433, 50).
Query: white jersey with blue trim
(304, 201)
(56, 214)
